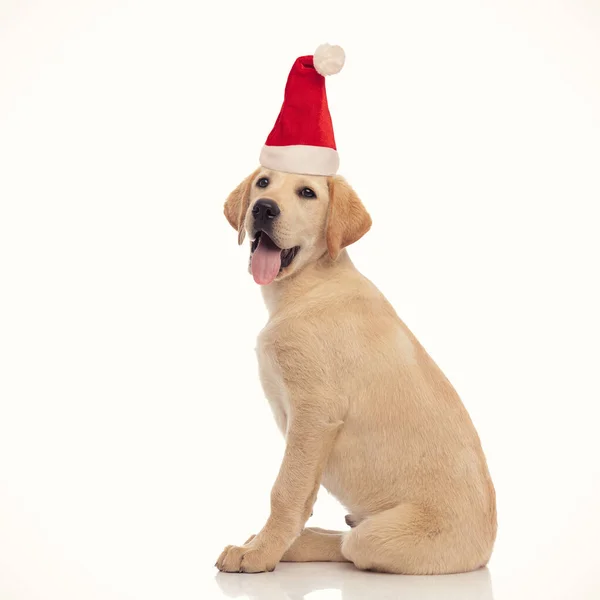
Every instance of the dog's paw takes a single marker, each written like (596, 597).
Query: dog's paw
(245, 559)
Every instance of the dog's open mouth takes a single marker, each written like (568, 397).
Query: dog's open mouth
(267, 259)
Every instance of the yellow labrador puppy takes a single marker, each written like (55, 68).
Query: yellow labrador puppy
(364, 409)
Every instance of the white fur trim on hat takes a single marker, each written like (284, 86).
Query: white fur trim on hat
(304, 160)
(328, 59)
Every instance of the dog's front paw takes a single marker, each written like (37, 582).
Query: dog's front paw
(245, 559)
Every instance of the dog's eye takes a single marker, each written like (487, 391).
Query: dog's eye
(263, 182)
(307, 193)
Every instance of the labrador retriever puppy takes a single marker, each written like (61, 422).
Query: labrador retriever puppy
(364, 409)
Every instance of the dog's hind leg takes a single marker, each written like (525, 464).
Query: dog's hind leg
(410, 539)
(321, 530)
(314, 545)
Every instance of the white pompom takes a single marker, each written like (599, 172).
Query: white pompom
(328, 59)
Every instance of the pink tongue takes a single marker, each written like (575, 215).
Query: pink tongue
(266, 261)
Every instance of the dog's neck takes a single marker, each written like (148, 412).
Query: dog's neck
(279, 294)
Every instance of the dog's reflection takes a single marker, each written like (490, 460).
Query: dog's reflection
(295, 581)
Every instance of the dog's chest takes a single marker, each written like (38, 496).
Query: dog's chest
(273, 385)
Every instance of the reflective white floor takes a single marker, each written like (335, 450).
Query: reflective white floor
(321, 580)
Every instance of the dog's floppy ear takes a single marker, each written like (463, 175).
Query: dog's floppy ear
(236, 206)
(347, 218)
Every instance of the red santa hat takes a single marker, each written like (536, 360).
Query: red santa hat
(302, 140)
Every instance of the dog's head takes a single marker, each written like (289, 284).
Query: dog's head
(293, 220)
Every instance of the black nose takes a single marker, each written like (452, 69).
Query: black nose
(264, 211)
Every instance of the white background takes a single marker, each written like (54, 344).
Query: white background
(135, 441)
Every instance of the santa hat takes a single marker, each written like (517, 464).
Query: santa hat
(302, 140)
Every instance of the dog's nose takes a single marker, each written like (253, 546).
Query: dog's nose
(264, 211)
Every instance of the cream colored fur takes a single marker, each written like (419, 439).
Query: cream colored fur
(364, 409)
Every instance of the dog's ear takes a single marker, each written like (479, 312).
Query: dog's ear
(347, 218)
(236, 206)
